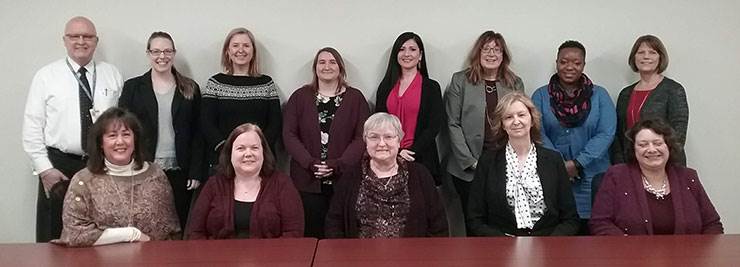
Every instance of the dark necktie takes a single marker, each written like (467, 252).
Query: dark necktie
(86, 105)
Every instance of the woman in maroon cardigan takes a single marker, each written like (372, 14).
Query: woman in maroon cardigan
(248, 198)
(651, 195)
(386, 196)
(322, 132)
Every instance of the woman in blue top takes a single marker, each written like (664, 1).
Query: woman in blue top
(579, 120)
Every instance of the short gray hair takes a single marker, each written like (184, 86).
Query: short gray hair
(381, 119)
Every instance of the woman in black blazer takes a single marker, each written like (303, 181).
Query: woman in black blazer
(167, 104)
(520, 188)
(407, 92)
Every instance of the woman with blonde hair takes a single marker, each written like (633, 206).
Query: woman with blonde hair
(520, 188)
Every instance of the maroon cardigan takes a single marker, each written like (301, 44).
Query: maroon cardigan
(277, 212)
(621, 205)
(426, 216)
(302, 136)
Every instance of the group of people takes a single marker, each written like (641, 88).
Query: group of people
(137, 151)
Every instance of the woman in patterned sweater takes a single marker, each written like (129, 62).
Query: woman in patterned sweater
(239, 94)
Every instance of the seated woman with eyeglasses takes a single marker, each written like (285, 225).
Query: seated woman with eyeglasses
(119, 197)
(385, 196)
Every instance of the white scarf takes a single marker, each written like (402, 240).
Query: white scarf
(523, 188)
(124, 170)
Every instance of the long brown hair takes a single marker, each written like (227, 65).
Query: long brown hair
(340, 62)
(497, 123)
(475, 70)
(185, 85)
(226, 168)
(254, 69)
(114, 117)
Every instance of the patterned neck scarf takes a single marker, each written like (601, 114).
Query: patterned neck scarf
(523, 188)
(571, 111)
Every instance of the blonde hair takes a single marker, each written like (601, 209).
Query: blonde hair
(226, 63)
(496, 123)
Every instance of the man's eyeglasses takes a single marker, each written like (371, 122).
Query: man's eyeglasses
(84, 37)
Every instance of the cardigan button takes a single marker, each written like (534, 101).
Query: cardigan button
(625, 193)
(646, 221)
(81, 183)
(692, 180)
(77, 199)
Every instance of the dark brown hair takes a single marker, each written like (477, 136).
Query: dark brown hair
(654, 43)
(226, 168)
(226, 63)
(113, 118)
(340, 63)
(475, 70)
(497, 123)
(185, 85)
(658, 126)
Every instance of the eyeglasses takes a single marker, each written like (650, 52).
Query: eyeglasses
(375, 138)
(84, 37)
(488, 50)
(157, 52)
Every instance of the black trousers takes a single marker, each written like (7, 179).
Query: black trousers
(179, 182)
(315, 207)
(49, 209)
(463, 190)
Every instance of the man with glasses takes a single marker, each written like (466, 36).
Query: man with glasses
(64, 100)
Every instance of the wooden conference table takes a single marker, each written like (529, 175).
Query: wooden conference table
(533, 251)
(258, 252)
(723, 250)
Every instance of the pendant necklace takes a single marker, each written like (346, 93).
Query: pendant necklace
(491, 88)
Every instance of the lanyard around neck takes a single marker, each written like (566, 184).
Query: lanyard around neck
(90, 92)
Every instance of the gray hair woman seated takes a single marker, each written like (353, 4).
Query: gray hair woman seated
(385, 196)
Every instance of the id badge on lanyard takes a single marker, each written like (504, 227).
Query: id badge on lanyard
(89, 92)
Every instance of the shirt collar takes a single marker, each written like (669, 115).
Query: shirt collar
(76, 67)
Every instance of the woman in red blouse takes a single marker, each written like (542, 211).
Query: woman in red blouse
(407, 92)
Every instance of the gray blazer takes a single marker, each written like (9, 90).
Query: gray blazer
(465, 104)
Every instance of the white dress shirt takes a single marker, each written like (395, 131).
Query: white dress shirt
(52, 110)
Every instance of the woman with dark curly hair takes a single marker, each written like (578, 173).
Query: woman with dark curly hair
(651, 194)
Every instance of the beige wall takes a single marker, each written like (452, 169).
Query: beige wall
(701, 38)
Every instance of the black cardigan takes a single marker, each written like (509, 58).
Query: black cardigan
(138, 97)
(489, 213)
(426, 216)
(428, 122)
